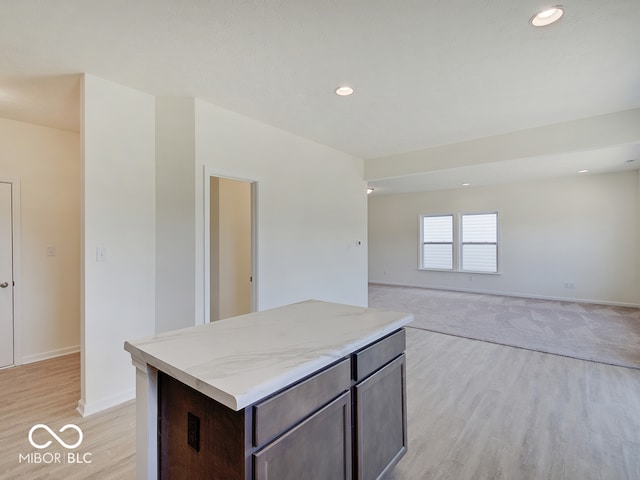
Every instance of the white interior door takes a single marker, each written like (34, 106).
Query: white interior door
(6, 277)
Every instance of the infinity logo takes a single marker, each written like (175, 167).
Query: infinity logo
(53, 434)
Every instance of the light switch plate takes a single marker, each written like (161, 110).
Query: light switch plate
(101, 254)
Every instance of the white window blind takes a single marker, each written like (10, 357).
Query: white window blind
(437, 242)
(479, 243)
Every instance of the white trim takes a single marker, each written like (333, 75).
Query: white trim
(255, 191)
(86, 409)
(38, 357)
(17, 267)
(146, 422)
(507, 294)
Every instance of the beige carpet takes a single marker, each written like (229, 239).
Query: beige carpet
(599, 333)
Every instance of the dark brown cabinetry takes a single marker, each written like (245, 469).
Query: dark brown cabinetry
(282, 411)
(379, 399)
(317, 449)
(381, 420)
(345, 421)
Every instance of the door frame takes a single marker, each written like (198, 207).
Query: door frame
(212, 172)
(17, 277)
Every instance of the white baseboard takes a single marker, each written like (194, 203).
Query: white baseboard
(38, 357)
(89, 408)
(509, 294)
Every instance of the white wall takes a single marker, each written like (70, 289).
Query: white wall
(118, 297)
(582, 230)
(311, 208)
(175, 213)
(47, 163)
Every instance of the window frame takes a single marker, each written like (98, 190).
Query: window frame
(462, 243)
(457, 244)
(422, 243)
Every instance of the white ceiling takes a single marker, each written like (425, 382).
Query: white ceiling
(425, 72)
(604, 160)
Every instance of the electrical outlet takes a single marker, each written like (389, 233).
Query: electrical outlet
(193, 431)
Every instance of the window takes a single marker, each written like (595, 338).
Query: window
(479, 243)
(470, 245)
(437, 242)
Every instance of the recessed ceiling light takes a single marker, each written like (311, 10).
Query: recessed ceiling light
(466, 184)
(583, 171)
(547, 16)
(344, 91)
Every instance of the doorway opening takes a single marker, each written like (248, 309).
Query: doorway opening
(230, 242)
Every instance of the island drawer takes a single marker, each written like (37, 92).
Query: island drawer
(376, 355)
(284, 410)
(318, 448)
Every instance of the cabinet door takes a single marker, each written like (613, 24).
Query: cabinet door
(381, 420)
(317, 449)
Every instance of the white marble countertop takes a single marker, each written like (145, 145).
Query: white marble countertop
(241, 360)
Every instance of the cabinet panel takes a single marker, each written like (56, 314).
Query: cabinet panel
(199, 437)
(371, 358)
(317, 449)
(277, 414)
(381, 420)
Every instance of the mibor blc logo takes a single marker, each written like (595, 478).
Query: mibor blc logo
(53, 434)
(55, 457)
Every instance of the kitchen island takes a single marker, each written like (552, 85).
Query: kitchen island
(313, 390)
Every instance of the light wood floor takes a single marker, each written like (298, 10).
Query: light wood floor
(483, 411)
(48, 392)
(476, 411)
